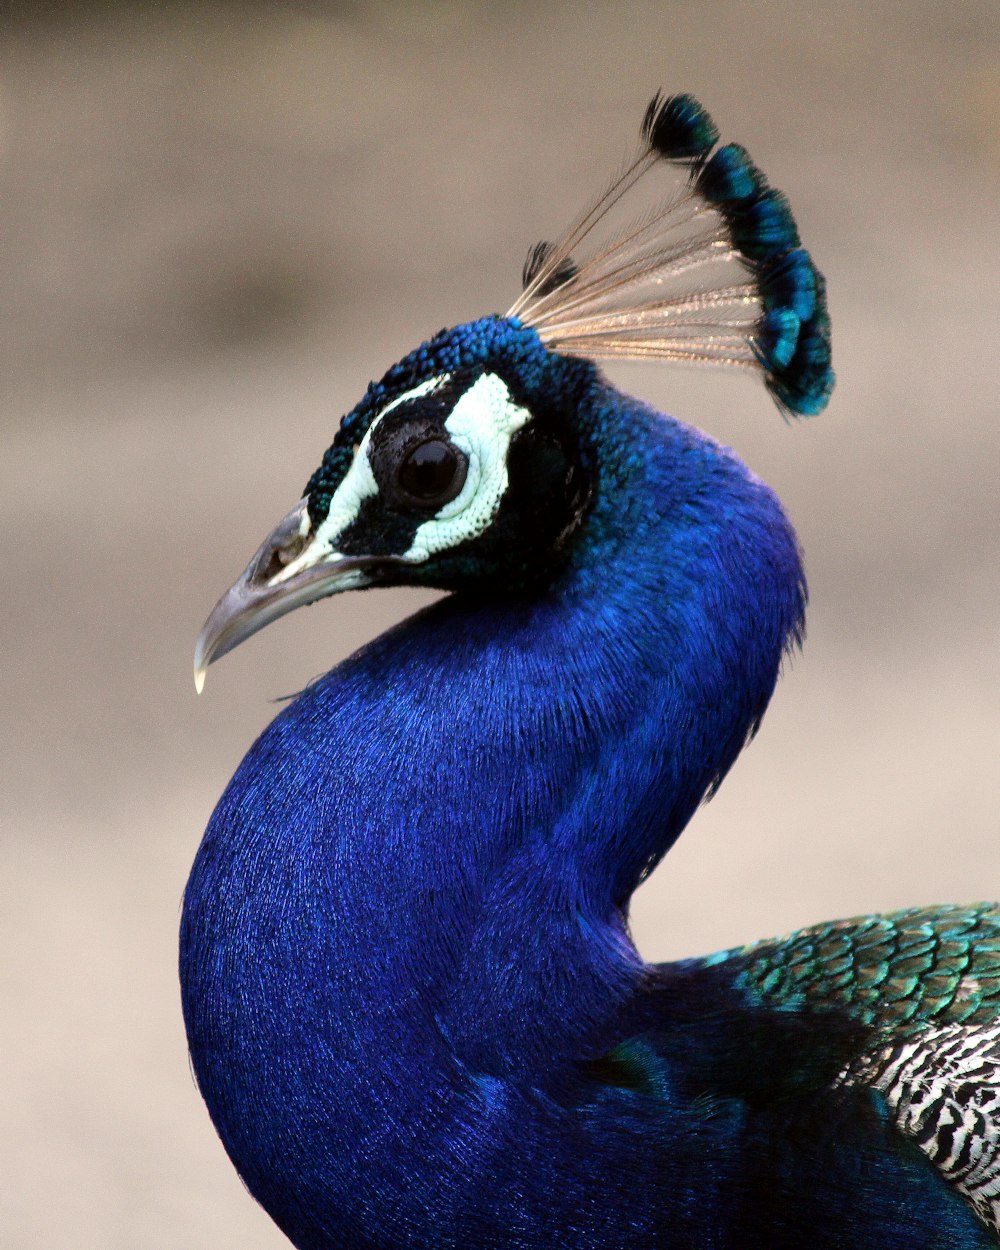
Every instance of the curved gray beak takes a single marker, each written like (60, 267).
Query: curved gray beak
(285, 573)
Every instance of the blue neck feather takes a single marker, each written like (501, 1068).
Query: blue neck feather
(417, 881)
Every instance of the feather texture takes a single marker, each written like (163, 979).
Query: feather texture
(413, 1004)
(711, 274)
(943, 1088)
(924, 984)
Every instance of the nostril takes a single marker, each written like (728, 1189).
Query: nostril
(281, 556)
(271, 566)
(287, 553)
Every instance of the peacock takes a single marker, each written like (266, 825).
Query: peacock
(413, 1005)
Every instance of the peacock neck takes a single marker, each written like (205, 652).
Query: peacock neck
(420, 872)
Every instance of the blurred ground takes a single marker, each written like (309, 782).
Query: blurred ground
(218, 223)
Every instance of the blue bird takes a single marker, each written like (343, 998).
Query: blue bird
(414, 1008)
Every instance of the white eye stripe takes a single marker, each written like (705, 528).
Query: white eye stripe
(482, 424)
(358, 485)
(359, 481)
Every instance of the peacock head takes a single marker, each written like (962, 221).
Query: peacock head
(470, 465)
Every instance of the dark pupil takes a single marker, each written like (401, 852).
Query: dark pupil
(428, 471)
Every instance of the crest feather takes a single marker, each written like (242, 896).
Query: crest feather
(713, 273)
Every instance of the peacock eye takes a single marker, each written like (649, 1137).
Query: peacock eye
(432, 473)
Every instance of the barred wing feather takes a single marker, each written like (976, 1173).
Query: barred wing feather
(925, 984)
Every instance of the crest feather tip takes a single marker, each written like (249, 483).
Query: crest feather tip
(678, 128)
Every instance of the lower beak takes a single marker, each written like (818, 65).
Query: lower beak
(269, 588)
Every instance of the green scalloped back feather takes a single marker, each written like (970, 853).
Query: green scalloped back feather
(894, 973)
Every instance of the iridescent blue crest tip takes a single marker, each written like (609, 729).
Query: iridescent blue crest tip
(729, 175)
(763, 226)
(714, 275)
(789, 280)
(777, 338)
(803, 386)
(678, 128)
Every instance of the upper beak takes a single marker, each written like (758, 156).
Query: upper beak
(284, 574)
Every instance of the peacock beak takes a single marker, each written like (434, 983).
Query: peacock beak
(289, 570)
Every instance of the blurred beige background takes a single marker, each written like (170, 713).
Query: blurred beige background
(218, 223)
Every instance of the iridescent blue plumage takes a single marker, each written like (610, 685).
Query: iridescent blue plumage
(805, 383)
(762, 226)
(778, 337)
(789, 280)
(678, 128)
(730, 175)
(414, 1008)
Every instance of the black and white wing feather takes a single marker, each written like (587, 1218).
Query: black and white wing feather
(943, 1089)
(924, 986)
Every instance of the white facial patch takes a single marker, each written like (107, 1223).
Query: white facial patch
(482, 424)
(358, 485)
